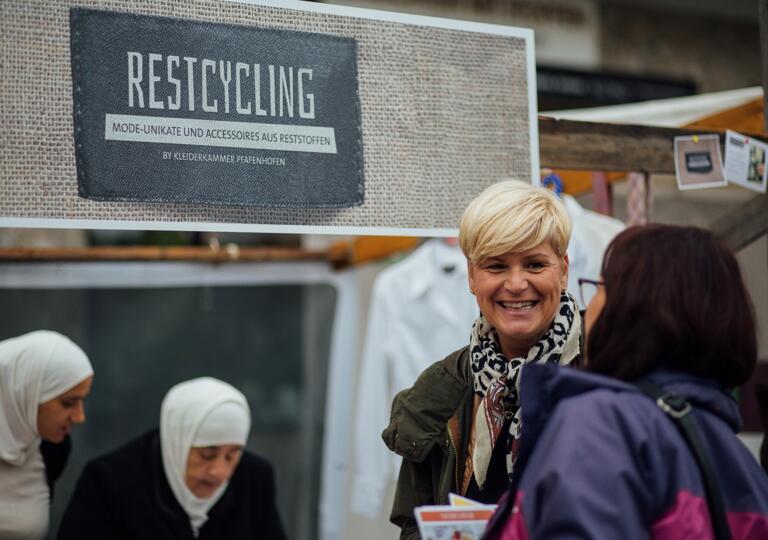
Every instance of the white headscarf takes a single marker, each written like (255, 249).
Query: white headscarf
(34, 368)
(199, 412)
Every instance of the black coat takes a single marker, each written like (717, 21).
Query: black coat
(55, 458)
(126, 496)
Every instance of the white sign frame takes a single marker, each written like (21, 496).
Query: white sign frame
(525, 34)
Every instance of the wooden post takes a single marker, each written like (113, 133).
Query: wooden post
(602, 193)
(639, 199)
(763, 18)
(762, 14)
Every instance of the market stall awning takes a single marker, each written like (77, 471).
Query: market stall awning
(673, 112)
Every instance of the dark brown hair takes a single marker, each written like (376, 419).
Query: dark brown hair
(675, 298)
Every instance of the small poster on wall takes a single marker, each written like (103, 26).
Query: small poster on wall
(698, 163)
(745, 161)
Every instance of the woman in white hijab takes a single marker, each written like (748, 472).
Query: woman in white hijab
(44, 378)
(191, 478)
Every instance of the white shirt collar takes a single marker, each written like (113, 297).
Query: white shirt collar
(433, 257)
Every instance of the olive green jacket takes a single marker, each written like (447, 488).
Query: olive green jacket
(429, 428)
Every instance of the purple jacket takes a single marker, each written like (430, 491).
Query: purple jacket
(600, 460)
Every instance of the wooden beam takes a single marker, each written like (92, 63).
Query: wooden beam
(569, 144)
(340, 255)
(227, 253)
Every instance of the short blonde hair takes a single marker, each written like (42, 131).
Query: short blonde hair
(512, 216)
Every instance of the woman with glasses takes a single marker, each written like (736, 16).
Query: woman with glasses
(669, 332)
(457, 428)
(588, 289)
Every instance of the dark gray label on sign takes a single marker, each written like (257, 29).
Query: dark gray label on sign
(698, 162)
(170, 110)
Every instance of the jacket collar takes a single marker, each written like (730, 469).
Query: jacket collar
(544, 385)
(701, 392)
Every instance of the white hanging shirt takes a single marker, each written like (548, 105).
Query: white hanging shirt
(590, 236)
(421, 311)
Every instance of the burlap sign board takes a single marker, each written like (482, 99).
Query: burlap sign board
(263, 116)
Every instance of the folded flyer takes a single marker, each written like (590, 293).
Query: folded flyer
(465, 519)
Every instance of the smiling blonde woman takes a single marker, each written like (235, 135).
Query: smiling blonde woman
(457, 428)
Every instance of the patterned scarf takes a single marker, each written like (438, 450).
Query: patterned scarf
(497, 379)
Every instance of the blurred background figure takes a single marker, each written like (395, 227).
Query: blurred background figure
(44, 379)
(457, 428)
(191, 478)
(598, 457)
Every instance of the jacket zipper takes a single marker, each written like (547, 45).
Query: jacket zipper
(455, 461)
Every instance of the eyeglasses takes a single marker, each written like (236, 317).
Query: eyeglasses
(588, 289)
